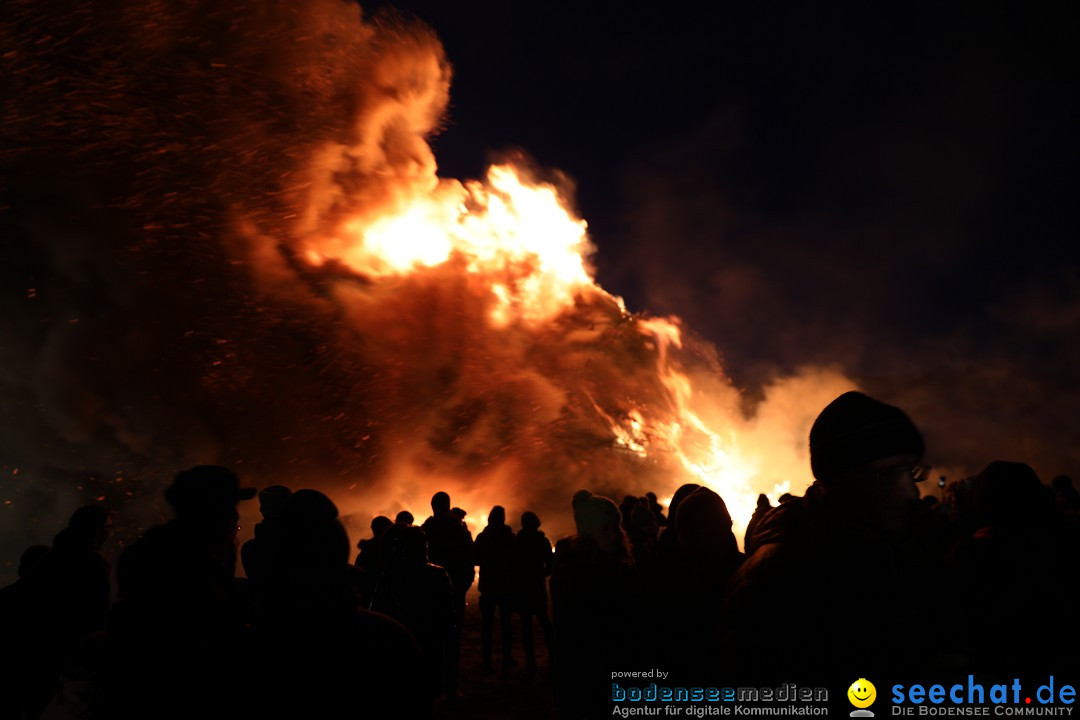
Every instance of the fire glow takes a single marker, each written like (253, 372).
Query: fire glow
(517, 236)
(520, 241)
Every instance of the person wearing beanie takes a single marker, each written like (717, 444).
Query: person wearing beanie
(598, 518)
(290, 663)
(177, 603)
(1014, 536)
(845, 549)
(863, 455)
(668, 553)
(855, 430)
(707, 555)
(595, 598)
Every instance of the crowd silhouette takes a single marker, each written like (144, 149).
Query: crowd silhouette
(857, 573)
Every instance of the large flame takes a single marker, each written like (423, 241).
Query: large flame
(517, 238)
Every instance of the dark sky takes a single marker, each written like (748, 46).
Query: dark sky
(888, 189)
(938, 143)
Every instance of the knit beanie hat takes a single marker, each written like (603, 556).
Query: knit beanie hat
(855, 429)
(272, 501)
(592, 512)
(702, 508)
(1007, 493)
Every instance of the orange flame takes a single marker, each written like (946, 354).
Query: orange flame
(518, 239)
(517, 235)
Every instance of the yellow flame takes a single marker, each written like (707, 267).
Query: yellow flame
(516, 234)
(711, 458)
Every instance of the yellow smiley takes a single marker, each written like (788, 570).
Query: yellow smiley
(862, 693)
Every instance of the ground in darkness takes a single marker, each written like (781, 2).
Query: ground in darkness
(500, 693)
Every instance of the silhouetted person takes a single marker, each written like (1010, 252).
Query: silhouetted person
(595, 597)
(1066, 497)
(668, 543)
(1014, 577)
(708, 556)
(313, 652)
(27, 662)
(418, 594)
(837, 557)
(176, 604)
(404, 518)
(78, 574)
(29, 571)
(706, 540)
(494, 549)
(658, 510)
(368, 561)
(644, 536)
(532, 564)
(73, 597)
(626, 509)
(450, 547)
(459, 515)
(762, 508)
(256, 553)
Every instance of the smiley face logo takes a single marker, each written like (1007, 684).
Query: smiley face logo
(862, 693)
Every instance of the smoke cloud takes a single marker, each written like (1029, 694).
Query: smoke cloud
(168, 168)
(904, 262)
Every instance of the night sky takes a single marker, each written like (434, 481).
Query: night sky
(891, 190)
